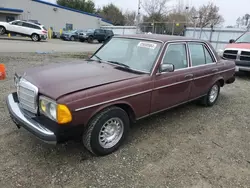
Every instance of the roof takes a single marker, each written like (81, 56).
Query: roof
(11, 10)
(71, 9)
(162, 38)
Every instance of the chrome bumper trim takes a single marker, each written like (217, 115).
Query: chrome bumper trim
(28, 123)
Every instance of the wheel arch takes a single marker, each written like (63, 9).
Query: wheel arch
(221, 81)
(123, 105)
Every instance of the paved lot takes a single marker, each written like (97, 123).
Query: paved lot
(52, 45)
(190, 146)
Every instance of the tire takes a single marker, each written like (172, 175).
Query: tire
(2, 30)
(212, 96)
(72, 38)
(90, 39)
(35, 37)
(107, 120)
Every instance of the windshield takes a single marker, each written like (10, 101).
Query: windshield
(135, 54)
(244, 38)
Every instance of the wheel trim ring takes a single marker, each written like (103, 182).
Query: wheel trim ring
(213, 93)
(111, 133)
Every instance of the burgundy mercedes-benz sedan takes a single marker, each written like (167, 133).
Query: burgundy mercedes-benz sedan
(126, 79)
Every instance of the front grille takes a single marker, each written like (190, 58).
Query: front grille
(245, 56)
(230, 54)
(27, 95)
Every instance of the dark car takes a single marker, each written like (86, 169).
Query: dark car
(71, 35)
(101, 35)
(239, 51)
(127, 79)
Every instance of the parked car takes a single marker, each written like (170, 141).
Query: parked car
(127, 79)
(101, 35)
(239, 51)
(71, 35)
(35, 31)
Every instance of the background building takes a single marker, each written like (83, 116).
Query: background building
(51, 15)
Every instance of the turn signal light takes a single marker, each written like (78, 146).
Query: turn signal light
(2, 72)
(63, 114)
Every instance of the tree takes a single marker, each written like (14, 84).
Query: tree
(243, 21)
(155, 7)
(206, 15)
(130, 17)
(112, 13)
(82, 5)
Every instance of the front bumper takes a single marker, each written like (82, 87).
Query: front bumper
(27, 122)
(242, 68)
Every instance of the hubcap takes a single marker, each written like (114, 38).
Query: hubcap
(35, 37)
(111, 133)
(213, 93)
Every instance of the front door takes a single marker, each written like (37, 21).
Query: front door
(172, 88)
(204, 69)
(16, 27)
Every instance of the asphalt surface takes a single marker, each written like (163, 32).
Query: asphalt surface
(189, 146)
(22, 44)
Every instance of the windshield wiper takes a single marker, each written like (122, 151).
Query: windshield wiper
(121, 64)
(99, 59)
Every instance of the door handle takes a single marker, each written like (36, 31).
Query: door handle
(215, 70)
(189, 76)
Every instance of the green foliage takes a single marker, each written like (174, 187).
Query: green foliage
(82, 5)
(112, 13)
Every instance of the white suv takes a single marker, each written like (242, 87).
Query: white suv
(35, 31)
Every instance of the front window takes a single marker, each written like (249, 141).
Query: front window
(134, 54)
(244, 38)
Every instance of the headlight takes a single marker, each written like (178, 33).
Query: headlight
(220, 52)
(57, 112)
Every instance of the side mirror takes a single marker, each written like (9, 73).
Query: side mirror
(232, 41)
(166, 68)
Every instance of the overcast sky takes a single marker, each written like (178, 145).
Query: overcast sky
(230, 9)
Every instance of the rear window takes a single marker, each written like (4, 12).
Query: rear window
(44, 28)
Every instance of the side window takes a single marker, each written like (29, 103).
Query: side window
(27, 25)
(176, 55)
(18, 23)
(209, 59)
(197, 54)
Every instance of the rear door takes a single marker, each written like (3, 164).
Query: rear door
(204, 68)
(172, 88)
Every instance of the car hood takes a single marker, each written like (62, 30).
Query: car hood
(57, 80)
(239, 46)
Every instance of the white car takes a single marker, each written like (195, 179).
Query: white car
(35, 31)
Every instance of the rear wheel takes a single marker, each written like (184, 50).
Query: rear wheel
(2, 30)
(106, 131)
(35, 37)
(212, 95)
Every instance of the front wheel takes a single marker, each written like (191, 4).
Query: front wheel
(35, 37)
(212, 95)
(72, 38)
(90, 39)
(106, 131)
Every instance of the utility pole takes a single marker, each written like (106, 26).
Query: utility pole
(138, 16)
